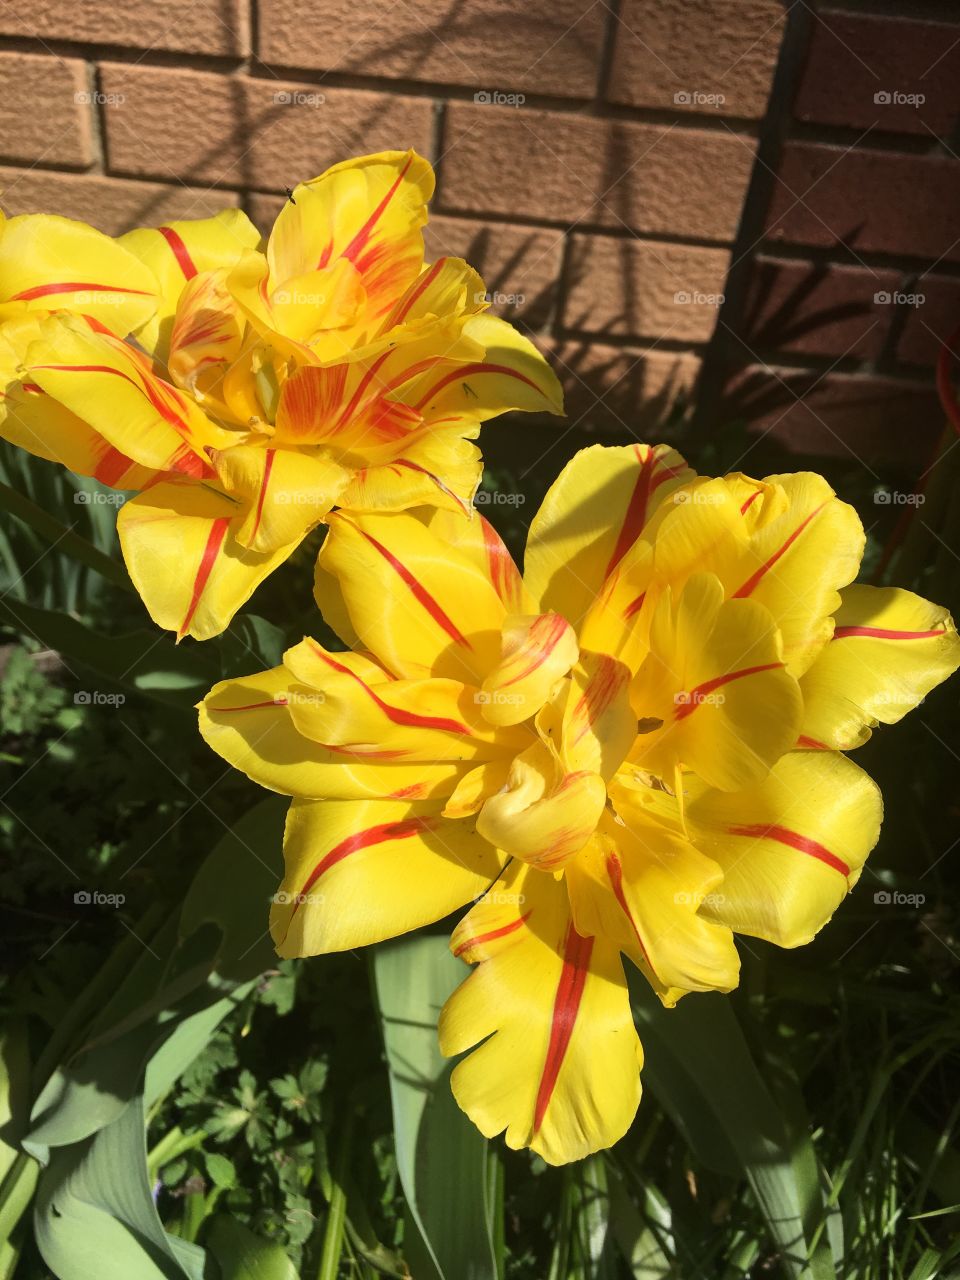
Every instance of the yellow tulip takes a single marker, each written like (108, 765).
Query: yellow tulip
(246, 391)
(634, 749)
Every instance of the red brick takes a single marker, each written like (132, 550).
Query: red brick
(520, 265)
(855, 56)
(725, 48)
(644, 288)
(931, 323)
(572, 168)
(621, 389)
(879, 201)
(213, 27)
(45, 110)
(238, 131)
(855, 417)
(112, 204)
(818, 309)
(543, 46)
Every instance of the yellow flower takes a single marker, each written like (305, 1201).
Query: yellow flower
(248, 391)
(633, 750)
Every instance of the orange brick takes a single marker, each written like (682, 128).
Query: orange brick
(544, 46)
(213, 27)
(627, 391)
(570, 168)
(45, 110)
(687, 56)
(644, 288)
(240, 132)
(112, 204)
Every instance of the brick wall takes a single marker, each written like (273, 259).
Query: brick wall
(660, 190)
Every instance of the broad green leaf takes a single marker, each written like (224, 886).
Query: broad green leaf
(443, 1161)
(699, 1066)
(241, 1255)
(95, 1215)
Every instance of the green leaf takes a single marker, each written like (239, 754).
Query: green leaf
(234, 887)
(444, 1162)
(699, 1066)
(147, 661)
(244, 1256)
(95, 1214)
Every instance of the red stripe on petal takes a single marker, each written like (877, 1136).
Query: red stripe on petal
(465, 371)
(697, 695)
(755, 578)
(615, 873)
(419, 592)
(425, 281)
(379, 834)
(73, 286)
(566, 1005)
(396, 714)
(359, 241)
(180, 252)
(811, 744)
(636, 514)
(252, 706)
(879, 633)
(502, 932)
(803, 844)
(267, 468)
(218, 531)
(554, 628)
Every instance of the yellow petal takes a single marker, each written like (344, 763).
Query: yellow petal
(790, 847)
(796, 564)
(713, 692)
(413, 601)
(49, 263)
(248, 723)
(32, 420)
(595, 509)
(350, 867)
(599, 723)
(558, 1062)
(112, 388)
(889, 649)
(537, 651)
(543, 816)
(368, 211)
(285, 492)
(180, 546)
(641, 886)
(177, 253)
